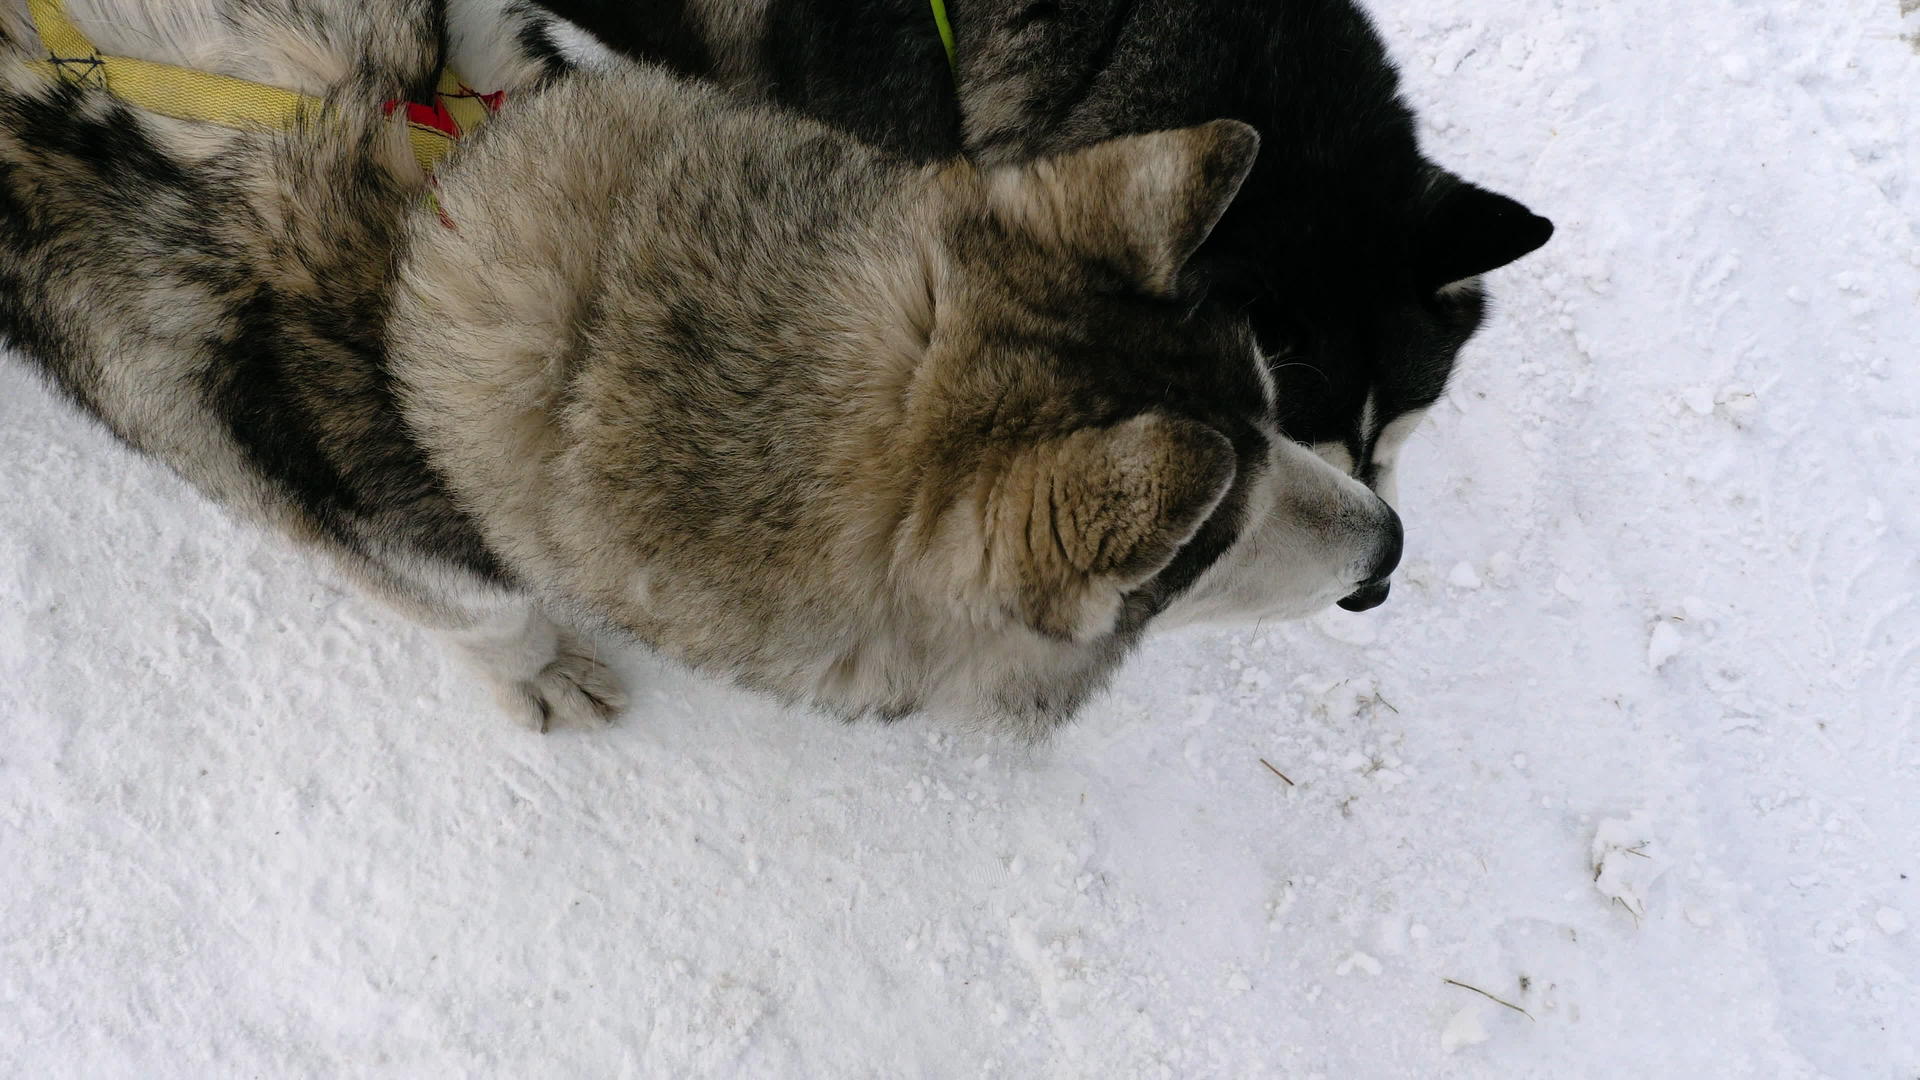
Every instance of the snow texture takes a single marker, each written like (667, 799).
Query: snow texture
(1631, 749)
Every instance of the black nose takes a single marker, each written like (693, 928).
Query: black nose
(1367, 597)
(1373, 591)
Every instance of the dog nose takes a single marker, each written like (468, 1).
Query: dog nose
(1373, 591)
(1366, 597)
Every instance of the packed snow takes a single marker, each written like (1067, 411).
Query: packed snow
(1623, 781)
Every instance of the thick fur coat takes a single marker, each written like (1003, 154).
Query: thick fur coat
(860, 432)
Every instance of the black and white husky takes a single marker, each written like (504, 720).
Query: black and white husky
(1355, 258)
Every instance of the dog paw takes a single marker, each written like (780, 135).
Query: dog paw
(573, 690)
(544, 675)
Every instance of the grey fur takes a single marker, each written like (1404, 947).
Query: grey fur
(863, 434)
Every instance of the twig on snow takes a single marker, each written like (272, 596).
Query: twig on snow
(1278, 773)
(1489, 997)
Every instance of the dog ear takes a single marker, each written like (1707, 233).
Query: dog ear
(1144, 202)
(1075, 522)
(1469, 231)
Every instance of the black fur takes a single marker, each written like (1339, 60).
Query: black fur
(656, 31)
(876, 70)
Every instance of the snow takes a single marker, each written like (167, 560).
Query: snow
(1465, 1029)
(1626, 862)
(252, 825)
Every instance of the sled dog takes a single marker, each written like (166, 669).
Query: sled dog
(634, 356)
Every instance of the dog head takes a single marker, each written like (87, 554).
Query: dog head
(1100, 441)
(1365, 339)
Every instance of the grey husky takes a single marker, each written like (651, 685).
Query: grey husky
(643, 359)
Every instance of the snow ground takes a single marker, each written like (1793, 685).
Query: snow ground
(1632, 748)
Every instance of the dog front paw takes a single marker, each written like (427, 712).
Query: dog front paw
(573, 690)
(544, 675)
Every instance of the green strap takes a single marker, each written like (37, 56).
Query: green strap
(946, 33)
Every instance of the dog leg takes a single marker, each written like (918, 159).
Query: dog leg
(543, 674)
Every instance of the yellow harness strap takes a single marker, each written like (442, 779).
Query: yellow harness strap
(186, 94)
